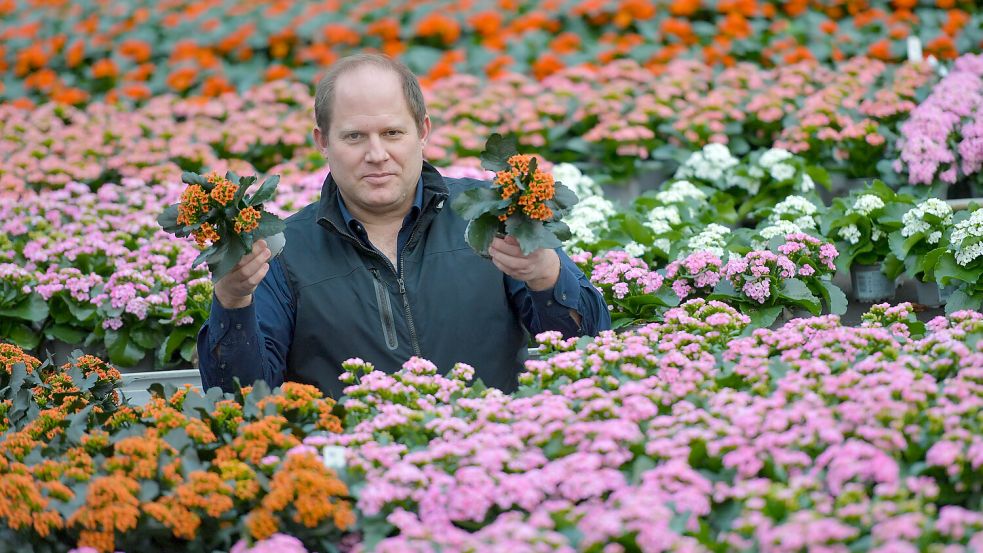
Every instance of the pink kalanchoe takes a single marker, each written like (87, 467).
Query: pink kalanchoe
(277, 543)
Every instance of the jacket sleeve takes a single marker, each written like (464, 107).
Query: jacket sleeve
(250, 343)
(550, 309)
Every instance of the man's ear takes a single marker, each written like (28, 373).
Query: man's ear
(425, 130)
(320, 139)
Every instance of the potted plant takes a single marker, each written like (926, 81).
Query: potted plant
(860, 225)
(962, 261)
(920, 244)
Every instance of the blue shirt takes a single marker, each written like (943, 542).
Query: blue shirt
(231, 341)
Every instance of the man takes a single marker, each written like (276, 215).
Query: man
(378, 268)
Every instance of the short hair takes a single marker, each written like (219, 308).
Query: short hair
(324, 96)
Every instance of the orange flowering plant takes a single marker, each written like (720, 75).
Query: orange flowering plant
(523, 201)
(223, 220)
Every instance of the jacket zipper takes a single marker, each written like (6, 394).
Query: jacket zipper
(402, 285)
(385, 311)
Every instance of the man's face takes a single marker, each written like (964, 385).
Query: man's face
(373, 148)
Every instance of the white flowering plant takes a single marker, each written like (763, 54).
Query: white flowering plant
(962, 261)
(861, 223)
(746, 188)
(921, 241)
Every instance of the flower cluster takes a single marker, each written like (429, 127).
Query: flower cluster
(942, 142)
(695, 275)
(99, 474)
(967, 239)
(633, 293)
(537, 187)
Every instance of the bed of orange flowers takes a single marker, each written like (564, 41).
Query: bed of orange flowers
(79, 467)
(74, 52)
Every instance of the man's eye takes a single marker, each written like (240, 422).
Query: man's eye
(352, 136)
(393, 132)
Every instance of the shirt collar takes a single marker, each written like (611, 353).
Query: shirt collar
(353, 223)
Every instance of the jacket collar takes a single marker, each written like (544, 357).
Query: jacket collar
(329, 213)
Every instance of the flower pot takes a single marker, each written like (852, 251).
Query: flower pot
(276, 243)
(870, 285)
(931, 295)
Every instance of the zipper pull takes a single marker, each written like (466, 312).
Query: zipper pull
(402, 287)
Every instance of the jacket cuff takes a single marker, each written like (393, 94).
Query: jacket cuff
(228, 327)
(564, 296)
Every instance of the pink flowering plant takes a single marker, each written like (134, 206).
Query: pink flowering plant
(633, 292)
(762, 283)
(860, 225)
(941, 144)
(695, 275)
(815, 261)
(683, 435)
(22, 310)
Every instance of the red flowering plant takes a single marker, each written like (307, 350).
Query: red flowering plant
(222, 219)
(523, 201)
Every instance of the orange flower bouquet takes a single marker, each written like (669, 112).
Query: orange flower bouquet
(523, 201)
(223, 220)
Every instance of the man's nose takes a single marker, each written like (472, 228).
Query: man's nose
(377, 150)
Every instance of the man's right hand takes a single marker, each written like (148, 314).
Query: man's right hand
(235, 290)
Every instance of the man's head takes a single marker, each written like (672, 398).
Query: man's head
(372, 126)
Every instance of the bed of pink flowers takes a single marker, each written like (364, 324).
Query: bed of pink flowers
(687, 435)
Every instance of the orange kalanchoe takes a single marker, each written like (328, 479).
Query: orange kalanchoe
(438, 25)
(224, 190)
(312, 490)
(194, 202)
(110, 506)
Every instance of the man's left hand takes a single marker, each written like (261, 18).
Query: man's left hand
(539, 270)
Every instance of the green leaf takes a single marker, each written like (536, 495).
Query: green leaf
(797, 291)
(564, 197)
(948, 270)
(65, 333)
(266, 190)
(122, 351)
(244, 183)
(532, 235)
(23, 336)
(168, 219)
(175, 339)
(498, 150)
(475, 202)
(481, 231)
(193, 178)
(145, 338)
(222, 261)
(834, 297)
(764, 318)
(636, 230)
(927, 263)
(81, 312)
(960, 300)
(33, 308)
(269, 224)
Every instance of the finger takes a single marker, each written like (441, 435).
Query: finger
(252, 266)
(506, 248)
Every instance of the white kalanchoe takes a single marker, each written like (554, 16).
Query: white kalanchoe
(711, 239)
(709, 164)
(807, 184)
(964, 232)
(737, 181)
(782, 172)
(796, 209)
(680, 191)
(334, 457)
(588, 218)
(773, 156)
(914, 219)
(571, 177)
(866, 204)
(661, 219)
(776, 228)
(634, 249)
(755, 172)
(850, 233)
